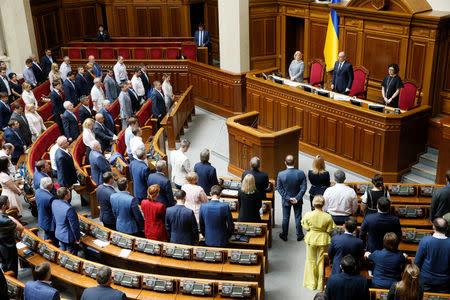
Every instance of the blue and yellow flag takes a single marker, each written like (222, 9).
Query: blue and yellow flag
(331, 48)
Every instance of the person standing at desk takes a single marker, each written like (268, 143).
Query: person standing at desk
(297, 67)
(391, 86)
(342, 75)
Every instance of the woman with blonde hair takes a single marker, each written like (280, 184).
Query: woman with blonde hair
(195, 195)
(297, 67)
(28, 95)
(35, 121)
(408, 288)
(54, 75)
(319, 178)
(318, 225)
(167, 90)
(154, 215)
(250, 200)
(88, 136)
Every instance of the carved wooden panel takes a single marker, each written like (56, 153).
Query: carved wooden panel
(257, 37)
(226, 94)
(415, 70)
(314, 134)
(330, 134)
(271, 38)
(318, 34)
(379, 52)
(175, 21)
(351, 46)
(297, 119)
(122, 21)
(368, 140)
(269, 113)
(142, 21)
(349, 140)
(89, 21)
(155, 21)
(74, 23)
(282, 123)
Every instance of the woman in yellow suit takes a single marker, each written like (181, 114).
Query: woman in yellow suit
(319, 225)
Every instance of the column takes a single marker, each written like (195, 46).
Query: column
(18, 32)
(234, 35)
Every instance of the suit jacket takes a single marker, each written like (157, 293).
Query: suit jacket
(3, 87)
(70, 125)
(440, 203)
(158, 104)
(97, 70)
(38, 73)
(24, 128)
(139, 174)
(83, 114)
(109, 120)
(103, 135)
(181, 225)
(14, 138)
(207, 176)
(82, 86)
(111, 88)
(134, 100)
(89, 79)
(5, 114)
(126, 211)
(104, 193)
(57, 102)
(67, 226)
(291, 183)
(377, 225)
(70, 92)
(99, 165)
(343, 78)
(165, 193)
(261, 180)
(145, 83)
(100, 292)
(206, 39)
(67, 174)
(46, 64)
(44, 200)
(249, 205)
(38, 290)
(340, 246)
(344, 286)
(216, 223)
(126, 109)
(37, 176)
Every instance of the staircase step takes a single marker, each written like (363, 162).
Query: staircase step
(433, 151)
(415, 179)
(429, 159)
(424, 171)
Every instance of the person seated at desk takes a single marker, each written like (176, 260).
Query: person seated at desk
(342, 75)
(41, 288)
(391, 86)
(103, 290)
(297, 67)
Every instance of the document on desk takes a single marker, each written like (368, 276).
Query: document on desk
(292, 83)
(341, 97)
(100, 243)
(20, 245)
(124, 253)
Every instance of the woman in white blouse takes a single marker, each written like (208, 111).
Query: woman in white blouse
(167, 90)
(28, 95)
(195, 195)
(35, 121)
(88, 136)
(54, 75)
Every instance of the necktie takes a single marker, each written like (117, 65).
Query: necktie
(340, 65)
(73, 85)
(60, 95)
(37, 65)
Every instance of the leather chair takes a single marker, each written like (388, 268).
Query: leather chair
(360, 82)
(408, 95)
(172, 53)
(156, 53)
(317, 73)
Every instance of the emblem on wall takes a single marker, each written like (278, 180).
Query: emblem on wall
(379, 4)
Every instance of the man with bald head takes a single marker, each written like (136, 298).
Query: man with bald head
(67, 174)
(99, 164)
(261, 178)
(103, 134)
(96, 68)
(291, 185)
(342, 75)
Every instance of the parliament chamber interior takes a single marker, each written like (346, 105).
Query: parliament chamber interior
(153, 149)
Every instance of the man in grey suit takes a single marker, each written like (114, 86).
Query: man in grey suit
(111, 86)
(125, 104)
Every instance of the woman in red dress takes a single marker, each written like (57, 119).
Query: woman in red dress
(154, 215)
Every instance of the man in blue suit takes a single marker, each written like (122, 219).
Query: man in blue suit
(342, 75)
(181, 225)
(5, 110)
(41, 289)
(104, 192)
(41, 170)
(37, 70)
(44, 200)
(216, 222)
(201, 36)
(85, 111)
(139, 174)
(344, 244)
(81, 83)
(99, 164)
(67, 226)
(291, 185)
(158, 104)
(165, 193)
(67, 174)
(57, 98)
(109, 120)
(70, 90)
(103, 290)
(70, 122)
(207, 176)
(47, 60)
(103, 134)
(376, 225)
(12, 136)
(125, 208)
(261, 178)
(346, 285)
(95, 67)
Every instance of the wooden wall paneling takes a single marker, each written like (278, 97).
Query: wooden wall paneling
(368, 140)
(331, 134)
(314, 128)
(175, 20)
(212, 25)
(417, 53)
(349, 140)
(317, 40)
(155, 16)
(73, 17)
(142, 21)
(121, 20)
(90, 21)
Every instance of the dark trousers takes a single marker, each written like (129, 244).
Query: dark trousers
(339, 220)
(71, 247)
(88, 150)
(9, 259)
(178, 187)
(435, 285)
(111, 226)
(50, 235)
(298, 219)
(311, 198)
(58, 121)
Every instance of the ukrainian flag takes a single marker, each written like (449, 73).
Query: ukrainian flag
(331, 48)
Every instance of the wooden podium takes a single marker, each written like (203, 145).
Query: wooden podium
(247, 140)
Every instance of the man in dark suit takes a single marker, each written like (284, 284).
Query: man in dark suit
(103, 290)
(342, 75)
(440, 203)
(67, 226)
(37, 70)
(125, 208)
(84, 111)
(12, 136)
(165, 193)
(216, 222)
(135, 103)
(291, 185)
(201, 36)
(81, 84)
(41, 288)
(44, 200)
(139, 174)
(346, 285)
(104, 192)
(5, 110)
(158, 104)
(145, 79)
(57, 98)
(47, 61)
(4, 85)
(103, 134)
(67, 174)
(376, 225)
(99, 164)
(109, 120)
(70, 122)
(41, 170)
(344, 244)
(181, 225)
(24, 127)
(261, 178)
(207, 176)
(70, 91)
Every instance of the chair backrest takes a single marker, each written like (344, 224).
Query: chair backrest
(171, 53)
(75, 53)
(42, 90)
(140, 53)
(121, 146)
(408, 95)
(145, 113)
(155, 53)
(124, 52)
(114, 110)
(189, 50)
(92, 51)
(317, 73)
(46, 111)
(79, 152)
(360, 82)
(107, 53)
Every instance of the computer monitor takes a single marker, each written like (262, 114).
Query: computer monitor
(276, 80)
(379, 108)
(323, 93)
(356, 102)
(277, 74)
(264, 76)
(307, 88)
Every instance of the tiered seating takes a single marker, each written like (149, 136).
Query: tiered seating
(39, 149)
(147, 123)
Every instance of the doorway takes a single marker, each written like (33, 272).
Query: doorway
(295, 33)
(197, 15)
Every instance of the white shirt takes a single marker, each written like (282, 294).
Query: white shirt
(128, 136)
(180, 167)
(97, 96)
(439, 235)
(120, 72)
(138, 86)
(11, 168)
(340, 200)
(63, 70)
(88, 137)
(136, 143)
(36, 125)
(52, 156)
(28, 98)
